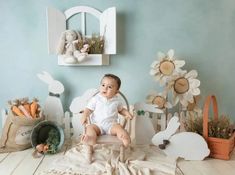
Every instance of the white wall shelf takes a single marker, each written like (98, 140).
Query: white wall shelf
(91, 60)
(56, 24)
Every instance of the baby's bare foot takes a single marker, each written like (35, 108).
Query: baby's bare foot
(89, 140)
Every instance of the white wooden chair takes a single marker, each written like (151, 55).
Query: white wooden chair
(104, 139)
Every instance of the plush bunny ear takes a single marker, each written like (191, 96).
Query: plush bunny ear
(61, 43)
(45, 77)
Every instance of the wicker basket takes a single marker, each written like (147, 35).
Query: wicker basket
(219, 148)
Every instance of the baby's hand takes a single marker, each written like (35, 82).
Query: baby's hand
(129, 115)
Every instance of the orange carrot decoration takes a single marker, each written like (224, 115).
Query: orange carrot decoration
(17, 111)
(33, 108)
(45, 148)
(40, 148)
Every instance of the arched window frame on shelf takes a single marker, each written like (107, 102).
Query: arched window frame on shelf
(56, 24)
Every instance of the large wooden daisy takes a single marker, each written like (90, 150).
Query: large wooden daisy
(184, 86)
(158, 99)
(165, 67)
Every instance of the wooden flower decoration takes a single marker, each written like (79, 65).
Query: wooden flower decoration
(184, 87)
(158, 99)
(167, 66)
(194, 105)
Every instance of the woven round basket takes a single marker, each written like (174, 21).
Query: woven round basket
(40, 133)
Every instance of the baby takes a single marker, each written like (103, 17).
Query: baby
(104, 108)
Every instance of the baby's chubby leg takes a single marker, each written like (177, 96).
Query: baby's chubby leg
(90, 136)
(121, 133)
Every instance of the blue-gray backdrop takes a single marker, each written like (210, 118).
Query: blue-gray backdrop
(201, 32)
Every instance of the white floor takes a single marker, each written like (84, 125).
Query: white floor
(22, 163)
(208, 166)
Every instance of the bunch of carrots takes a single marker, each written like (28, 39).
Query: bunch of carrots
(25, 108)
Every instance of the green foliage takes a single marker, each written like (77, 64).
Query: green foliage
(140, 112)
(53, 141)
(221, 128)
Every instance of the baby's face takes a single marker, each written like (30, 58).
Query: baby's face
(108, 87)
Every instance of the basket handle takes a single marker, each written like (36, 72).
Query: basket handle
(209, 99)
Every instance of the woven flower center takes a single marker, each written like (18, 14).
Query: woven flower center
(166, 67)
(181, 85)
(160, 101)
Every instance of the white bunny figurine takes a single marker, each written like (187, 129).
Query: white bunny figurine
(187, 145)
(53, 108)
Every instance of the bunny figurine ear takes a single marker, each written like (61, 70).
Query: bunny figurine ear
(172, 127)
(55, 86)
(45, 77)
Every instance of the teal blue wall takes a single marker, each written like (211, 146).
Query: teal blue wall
(201, 31)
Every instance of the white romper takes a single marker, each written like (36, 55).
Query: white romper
(105, 112)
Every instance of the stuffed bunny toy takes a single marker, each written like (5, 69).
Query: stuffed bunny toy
(53, 108)
(187, 145)
(67, 46)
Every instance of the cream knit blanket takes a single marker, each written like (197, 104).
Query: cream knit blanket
(139, 160)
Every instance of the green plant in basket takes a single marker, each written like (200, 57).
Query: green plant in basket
(95, 42)
(221, 128)
(53, 141)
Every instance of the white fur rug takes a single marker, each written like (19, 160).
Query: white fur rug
(140, 160)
